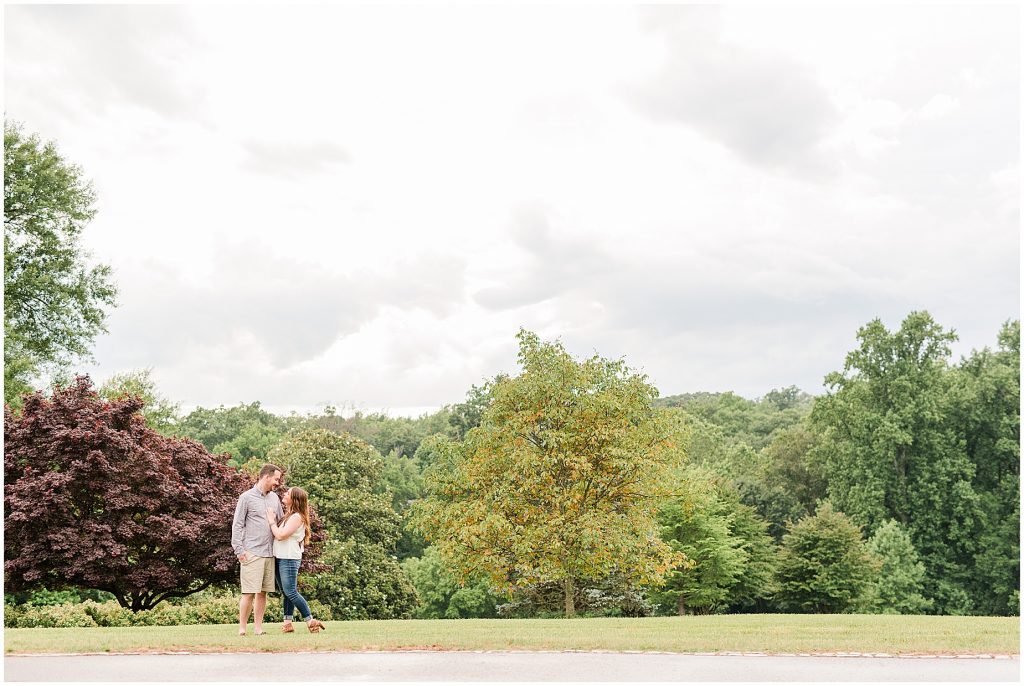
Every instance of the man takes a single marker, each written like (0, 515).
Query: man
(253, 543)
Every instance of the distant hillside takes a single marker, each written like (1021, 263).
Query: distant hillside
(750, 421)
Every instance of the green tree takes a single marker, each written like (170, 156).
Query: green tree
(364, 582)
(891, 450)
(731, 556)
(824, 565)
(756, 588)
(440, 593)
(343, 476)
(785, 461)
(404, 479)
(160, 413)
(54, 301)
(246, 432)
(900, 586)
(560, 481)
(697, 524)
(986, 388)
(758, 477)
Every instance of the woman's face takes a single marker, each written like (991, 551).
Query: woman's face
(287, 499)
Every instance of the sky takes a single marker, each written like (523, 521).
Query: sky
(361, 205)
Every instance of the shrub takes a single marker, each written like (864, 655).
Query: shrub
(47, 616)
(215, 609)
(825, 565)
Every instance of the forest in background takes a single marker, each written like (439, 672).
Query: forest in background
(896, 491)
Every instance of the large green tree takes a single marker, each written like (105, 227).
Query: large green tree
(55, 302)
(343, 476)
(986, 387)
(891, 450)
(560, 481)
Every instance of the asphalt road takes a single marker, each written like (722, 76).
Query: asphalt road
(501, 666)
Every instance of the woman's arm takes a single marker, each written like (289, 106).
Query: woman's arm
(288, 527)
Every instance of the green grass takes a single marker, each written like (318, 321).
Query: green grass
(716, 633)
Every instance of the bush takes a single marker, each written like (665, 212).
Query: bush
(364, 583)
(825, 565)
(66, 596)
(47, 616)
(214, 608)
(440, 594)
(609, 597)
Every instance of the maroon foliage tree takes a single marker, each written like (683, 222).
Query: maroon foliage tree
(95, 499)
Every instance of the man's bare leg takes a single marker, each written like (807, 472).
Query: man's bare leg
(257, 615)
(244, 607)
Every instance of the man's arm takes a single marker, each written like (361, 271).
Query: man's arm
(238, 529)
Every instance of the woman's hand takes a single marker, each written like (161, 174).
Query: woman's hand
(271, 516)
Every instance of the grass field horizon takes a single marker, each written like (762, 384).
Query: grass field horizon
(770, 633)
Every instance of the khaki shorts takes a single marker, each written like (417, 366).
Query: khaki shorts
(257, 574)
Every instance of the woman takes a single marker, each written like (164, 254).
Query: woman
(291, 535)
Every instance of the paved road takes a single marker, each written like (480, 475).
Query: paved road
(502, 666)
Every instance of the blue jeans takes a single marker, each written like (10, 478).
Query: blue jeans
(287, 578)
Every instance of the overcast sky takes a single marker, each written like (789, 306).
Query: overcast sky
(361, 205)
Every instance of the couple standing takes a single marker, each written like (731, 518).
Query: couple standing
(269, 541)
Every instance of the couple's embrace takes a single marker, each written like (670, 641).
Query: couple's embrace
(268, 541)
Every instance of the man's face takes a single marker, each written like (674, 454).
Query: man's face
(271, 481)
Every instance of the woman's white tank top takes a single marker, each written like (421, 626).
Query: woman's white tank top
(291, 547)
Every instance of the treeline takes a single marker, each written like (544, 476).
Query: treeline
(896, 491)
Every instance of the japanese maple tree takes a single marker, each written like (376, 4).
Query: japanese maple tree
(95, 499)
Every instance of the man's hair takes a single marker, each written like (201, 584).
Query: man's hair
(269, 469)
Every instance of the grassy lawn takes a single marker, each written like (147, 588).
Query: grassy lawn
(716, 633)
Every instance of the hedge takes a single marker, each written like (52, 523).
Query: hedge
(209, 610)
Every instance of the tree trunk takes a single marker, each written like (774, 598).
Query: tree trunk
(570, 603)
(681, 605)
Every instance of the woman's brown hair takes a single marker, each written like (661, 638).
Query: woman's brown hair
(300, 505)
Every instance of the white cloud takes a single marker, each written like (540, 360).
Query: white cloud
(939, 106)
(762, 104)
(361, 205)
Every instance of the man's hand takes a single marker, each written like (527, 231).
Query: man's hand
(244, 557)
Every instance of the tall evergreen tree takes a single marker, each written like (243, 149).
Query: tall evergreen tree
(824, 565)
